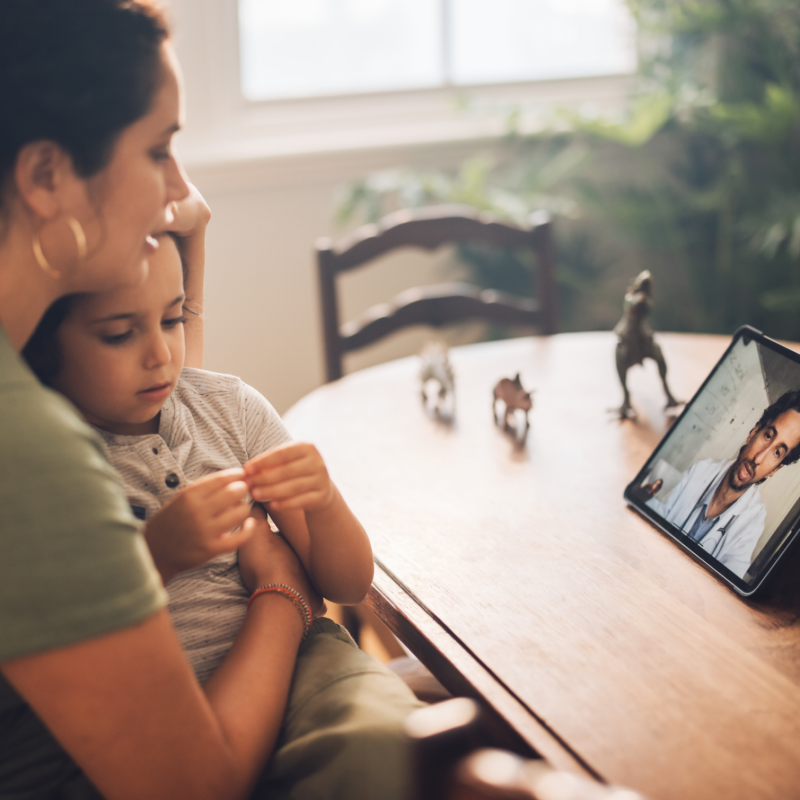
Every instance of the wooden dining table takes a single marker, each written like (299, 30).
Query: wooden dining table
(519, 576)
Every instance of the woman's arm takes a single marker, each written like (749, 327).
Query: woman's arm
(128, 709)
(191, 217)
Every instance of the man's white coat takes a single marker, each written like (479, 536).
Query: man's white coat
(735, 534)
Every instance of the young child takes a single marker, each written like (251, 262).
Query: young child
(189, 446)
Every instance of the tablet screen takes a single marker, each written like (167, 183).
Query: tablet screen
(725, 480)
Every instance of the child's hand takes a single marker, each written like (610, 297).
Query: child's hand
(195, 525)
(313, 517)
(268, 558)
(289, 477)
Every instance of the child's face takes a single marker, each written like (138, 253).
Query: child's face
(122, 351)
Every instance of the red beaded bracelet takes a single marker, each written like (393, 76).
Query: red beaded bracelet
(290, 594)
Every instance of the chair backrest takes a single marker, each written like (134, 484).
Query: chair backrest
(430, 228)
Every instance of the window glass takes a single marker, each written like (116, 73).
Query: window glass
(512, 40)
(297, 48)
(302, 48)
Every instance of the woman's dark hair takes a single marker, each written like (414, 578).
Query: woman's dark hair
(76, 72)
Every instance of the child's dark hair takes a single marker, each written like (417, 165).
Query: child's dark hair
(42, 352)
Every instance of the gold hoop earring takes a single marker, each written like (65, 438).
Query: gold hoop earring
(38, 254)
(80, 236)
(80, 241)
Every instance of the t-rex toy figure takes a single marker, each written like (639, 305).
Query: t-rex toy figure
(636, 341)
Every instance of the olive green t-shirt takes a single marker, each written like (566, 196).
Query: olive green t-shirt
(73, 562)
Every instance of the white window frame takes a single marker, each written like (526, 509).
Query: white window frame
(224, 128)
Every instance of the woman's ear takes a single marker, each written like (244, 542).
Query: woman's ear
(42, 171)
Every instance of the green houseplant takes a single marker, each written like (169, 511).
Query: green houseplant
(700, 182)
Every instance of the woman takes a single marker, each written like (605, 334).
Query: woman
(96, 696)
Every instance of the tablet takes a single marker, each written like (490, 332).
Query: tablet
(724, 482)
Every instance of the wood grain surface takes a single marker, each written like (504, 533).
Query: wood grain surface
(527, 579)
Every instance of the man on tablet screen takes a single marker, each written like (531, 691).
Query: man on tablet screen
(717, 502)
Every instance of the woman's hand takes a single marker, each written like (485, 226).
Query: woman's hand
(292, 476)
(195, 526)
(268, 558)
(190, 216)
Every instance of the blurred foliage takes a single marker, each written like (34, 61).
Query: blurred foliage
(699, 182)
(511, 182)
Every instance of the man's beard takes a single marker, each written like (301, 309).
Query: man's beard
(733, 471)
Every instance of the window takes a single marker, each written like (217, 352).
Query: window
(268, 80)
(309, 48)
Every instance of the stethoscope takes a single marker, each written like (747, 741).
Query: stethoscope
(723, 530)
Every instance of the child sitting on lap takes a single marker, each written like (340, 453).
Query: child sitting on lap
(189, 446)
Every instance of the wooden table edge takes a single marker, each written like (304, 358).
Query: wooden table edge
(512, 724)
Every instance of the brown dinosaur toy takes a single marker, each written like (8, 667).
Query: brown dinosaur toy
(514, 397)
(636, 342)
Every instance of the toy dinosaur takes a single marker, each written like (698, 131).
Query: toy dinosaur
(514, 398)
(436, 374)
(636, 342)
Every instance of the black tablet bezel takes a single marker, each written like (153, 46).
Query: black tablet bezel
(635, 498)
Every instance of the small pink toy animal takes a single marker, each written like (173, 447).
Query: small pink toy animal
(514, 397)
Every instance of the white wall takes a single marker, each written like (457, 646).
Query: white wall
(718, 423)
(262, 310)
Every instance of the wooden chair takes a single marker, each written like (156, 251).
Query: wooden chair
(451, 762)
(429, 228)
